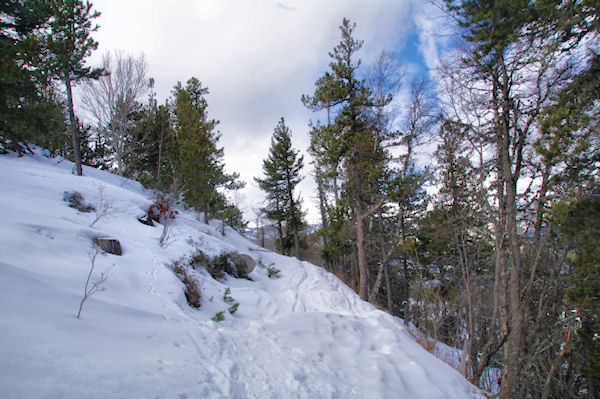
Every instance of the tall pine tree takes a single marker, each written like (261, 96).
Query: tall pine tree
(282, 174)
(69, 44)
(360, 150)
(29, 111)
(196, 159)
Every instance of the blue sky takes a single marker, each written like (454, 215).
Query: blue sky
(258, 57)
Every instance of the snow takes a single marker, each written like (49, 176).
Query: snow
(302, 335)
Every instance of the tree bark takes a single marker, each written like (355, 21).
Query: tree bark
(297, 241)
(360, 246)
(73, 122)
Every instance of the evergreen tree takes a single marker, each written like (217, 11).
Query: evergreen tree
(362, 155)
(68, 45)
(513, 66)
(196, 159)
(149, 138)
(578, 222)
(282, 174)
(29, 108)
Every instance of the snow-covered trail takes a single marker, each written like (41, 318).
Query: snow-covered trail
(302, 335)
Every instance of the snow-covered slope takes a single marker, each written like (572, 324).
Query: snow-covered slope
(303, 335)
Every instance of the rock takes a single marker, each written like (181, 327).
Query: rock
(75, 200)
(110, 245)
(146, 220)
(244, 264)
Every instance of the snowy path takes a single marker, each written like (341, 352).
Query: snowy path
(303, 335)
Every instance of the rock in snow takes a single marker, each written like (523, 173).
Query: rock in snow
(109, 245)
(303, 335)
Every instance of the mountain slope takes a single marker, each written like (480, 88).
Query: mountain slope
(302, 335)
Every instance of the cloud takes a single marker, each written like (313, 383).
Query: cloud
(256, 57)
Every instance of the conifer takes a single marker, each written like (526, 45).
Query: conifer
(282, 174)
(69, 44)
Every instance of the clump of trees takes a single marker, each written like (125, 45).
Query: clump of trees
(172, 147)
(493, 262)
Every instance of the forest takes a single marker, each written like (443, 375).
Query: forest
(492, 248)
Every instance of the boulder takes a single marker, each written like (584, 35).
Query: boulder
(110, 245)
(244, 264)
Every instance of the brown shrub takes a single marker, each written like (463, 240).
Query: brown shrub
(193, 291)
(161, 211)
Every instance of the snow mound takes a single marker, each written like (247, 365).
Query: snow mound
(302, 335)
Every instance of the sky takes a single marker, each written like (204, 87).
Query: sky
(257, 58)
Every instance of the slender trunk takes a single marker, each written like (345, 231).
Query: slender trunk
(514, 343)
(507, 201)
(297, 241)
(73, 121)
(159, 155)
(323, 210)
(388, 288)
(555, 366)
(468, 356)
(335, 192)
(383, 268)
(360, 246)
(280, 231)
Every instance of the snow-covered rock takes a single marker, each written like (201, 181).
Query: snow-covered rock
(303, 335)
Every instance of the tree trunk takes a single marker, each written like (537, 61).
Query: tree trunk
(360, 246)
(514, 342)
(383, 269)
(297, 241)
(73, 122)
(335, 192)
(280, 231)
(323, 210)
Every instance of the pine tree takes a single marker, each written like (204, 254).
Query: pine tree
(29, 109)
(579, 222)
(282, 174)
(69, 44)
(196, 159)
(512, 67)
(150, 136)
(362, 155)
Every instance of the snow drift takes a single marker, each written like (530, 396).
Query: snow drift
(302, 335)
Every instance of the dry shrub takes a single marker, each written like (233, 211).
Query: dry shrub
(193, 291)
(427, 343)
(162, 211)
(346, 279)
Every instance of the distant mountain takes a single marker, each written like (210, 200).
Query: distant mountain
(270, 232)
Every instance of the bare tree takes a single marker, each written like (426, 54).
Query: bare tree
(112, 98)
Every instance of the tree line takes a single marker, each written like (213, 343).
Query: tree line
(493, 248)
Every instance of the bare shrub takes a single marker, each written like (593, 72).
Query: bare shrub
(166, 214)
(93, 286)
(104, 207)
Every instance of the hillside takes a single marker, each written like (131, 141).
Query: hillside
(301, 335)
